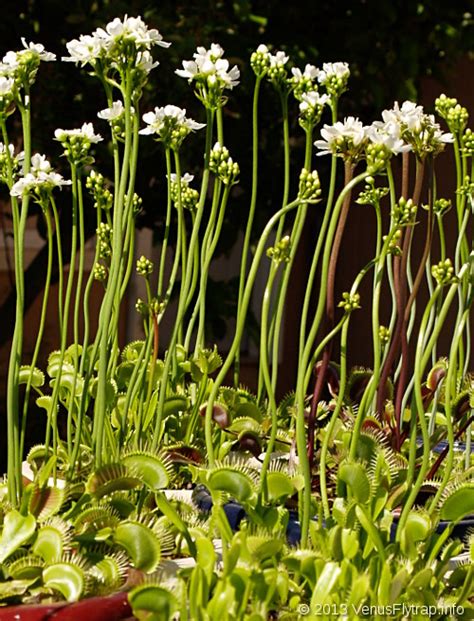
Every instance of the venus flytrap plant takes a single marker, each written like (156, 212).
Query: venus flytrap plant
(137, 424)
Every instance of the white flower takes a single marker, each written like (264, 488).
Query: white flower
(278, 60)
(211, 55)
(416, 128)
(86, 132)
(313, 100)
(310, 73)
(6, 86)
(41, 177)
(112, 113)
(86, 49)
(39, 164)
(185, 179)
(132, 28)
(103, 42)
(409, 115)
(161, 117)
(342, 138)
(387, 134)
(3, 150)
(145, 62)
(262, 49)
(12, 59)
(38, 49)
(339, 70)
(208, 66)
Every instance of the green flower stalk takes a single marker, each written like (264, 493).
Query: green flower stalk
(44, 305)
(443, 277)
(186, 288)
(305, 496)
(240, 324)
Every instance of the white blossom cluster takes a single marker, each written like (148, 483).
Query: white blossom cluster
(9, 162)
(170, 125)
(40, 180)
(119, 42)
(211, 73)
(77, 143)
(334, 77)
(84, 134)
(18, 69)
(182, 192)
(405, 128)
(417, 129)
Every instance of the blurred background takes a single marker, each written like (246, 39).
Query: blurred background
(397, 50)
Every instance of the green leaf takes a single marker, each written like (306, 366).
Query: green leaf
(49, 543)
(17, 529)
(66, 578)
(356, 479)
(417, 528)
(371, 530)
(154, 471)
(279, 486)
(327, 581)
(170, 512)
(236, 483)
(111, 478)
(152, 602)
(458, 504)
(27, 371)
(350, 542)
(46, 501)
(14, 588)
(141, 544)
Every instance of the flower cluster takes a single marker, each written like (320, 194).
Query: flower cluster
(9, 162)
(394, 243)
(311, 108)
(277, 73)
(443, 272)
(467, 142)
(334, 77)
(346, 139)
(77, 143)
(349, 302)
(404, 212)
(122, 44)
(169, 125)
(441, 206)
(310, 185)
(455, 115)
(210, 73)
(371, 195)
(135, 202)
(99, 272)
(40, 181)
(7, 96)
(260, 60)
(222, 165)
(97, 185)
(388, 136)
(104, 239)
(20, 68)
(417, 129)
(115, 116)
(384, 334)
(144, 266)
(189, 196)
(280, 253)
(304, 81)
